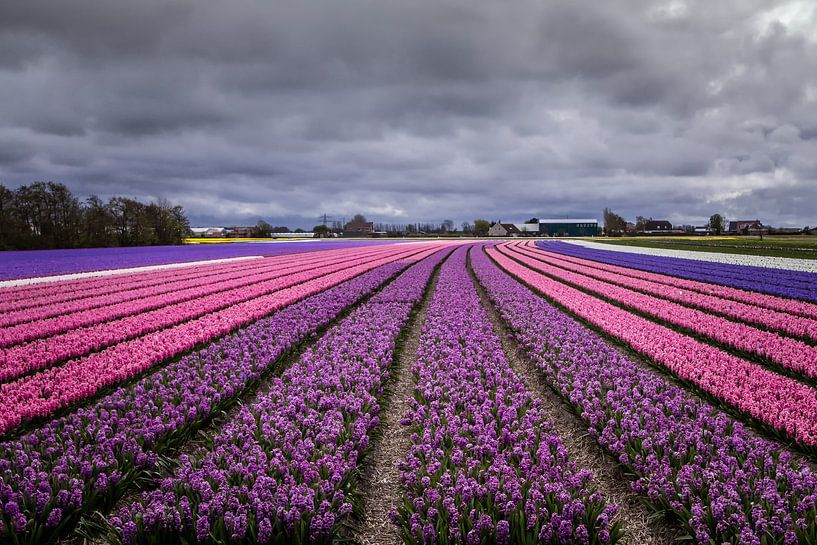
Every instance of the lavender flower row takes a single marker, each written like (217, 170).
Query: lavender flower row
(723, 483)
(28, 263)
(282, 469)
(785, 283)
(485, 465)
(85, 460)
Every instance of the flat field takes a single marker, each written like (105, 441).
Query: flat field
(457, 391)
(795, 246)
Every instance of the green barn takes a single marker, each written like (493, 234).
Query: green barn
(568, 228)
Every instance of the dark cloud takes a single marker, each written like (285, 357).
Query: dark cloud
(417, 111)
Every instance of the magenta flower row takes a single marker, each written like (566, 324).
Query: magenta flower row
(784, 404)
(39, 395)
(86, 460)
(42, 353)
(763, 300)
(759, 316)
(204, 296)
(282, 470)
(722, 482)
(485, 465)
(48, 304)
(791, 354)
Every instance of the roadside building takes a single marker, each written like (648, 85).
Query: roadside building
(504, 230)
(528, 229)
(358, 229)
(657, 227)
(582, 227)
(207, 232)
(747, 227)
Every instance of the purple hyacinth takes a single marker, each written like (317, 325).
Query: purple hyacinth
(484, 465)
(724, 484)
(82, 457)
(283, 466)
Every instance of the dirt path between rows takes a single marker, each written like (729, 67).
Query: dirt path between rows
(380, 482)
(639, 527)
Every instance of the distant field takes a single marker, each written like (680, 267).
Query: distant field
(798, 246)
(199, 240)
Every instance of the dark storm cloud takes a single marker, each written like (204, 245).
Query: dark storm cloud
(417, 110)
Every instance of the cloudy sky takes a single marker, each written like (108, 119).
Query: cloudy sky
(417, 110)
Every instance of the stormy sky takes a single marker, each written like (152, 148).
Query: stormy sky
(417, 110)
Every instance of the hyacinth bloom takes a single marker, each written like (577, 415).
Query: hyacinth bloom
(722, 482)
(75, 304)
(783, 404)
(39, 395)
(484, 466)
(784, 352)
(52, 262)
(64, 297)
(793, 284)
(761, 300)
(758, 316)
(102, 330)
(123, 432)
(762, 264)
(282, 469)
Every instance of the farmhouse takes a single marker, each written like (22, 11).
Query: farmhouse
(504, 230)
(657, 227)
(358, 229)
(747, 227)
(207, 232)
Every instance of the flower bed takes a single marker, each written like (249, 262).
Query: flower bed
(283, 469)
(783, 352)
(168, 299)
(484, 466)
(782, 282)
(66, 297)
(39, 395)
(757, 316)
(89, 458)
(785, 406)
(722, 482)
(23, 264)
(771, 302)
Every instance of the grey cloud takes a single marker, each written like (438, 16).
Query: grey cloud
(416, 110)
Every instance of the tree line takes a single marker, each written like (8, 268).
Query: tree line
(46, 215)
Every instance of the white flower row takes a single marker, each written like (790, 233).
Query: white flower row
(792, 264)
(112, 272)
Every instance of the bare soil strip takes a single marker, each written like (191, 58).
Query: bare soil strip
(640, 526)
(380, 481)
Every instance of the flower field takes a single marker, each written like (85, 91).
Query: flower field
(235, 394)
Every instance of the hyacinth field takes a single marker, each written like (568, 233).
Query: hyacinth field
(475, 392)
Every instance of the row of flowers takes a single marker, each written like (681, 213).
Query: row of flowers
(800, 268)
(48, 305)
(786, 406)
(19, 360)
(282, 469)
(152, 299)
(96, 285)
(88, 459)
(783, 352)
(40, 395)
(763, 300)
(783, 284)
(797, 326)
(485, 465)
(24, 265)
(722, 482)
(30, 298)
